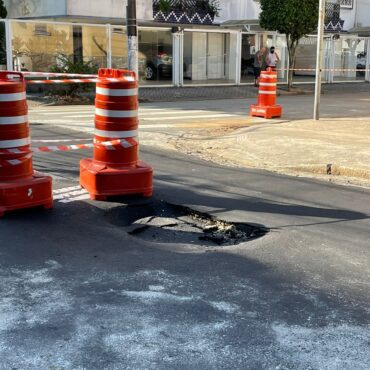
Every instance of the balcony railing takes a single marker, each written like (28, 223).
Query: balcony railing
(185, 11)
(333, 23)
(346, 4)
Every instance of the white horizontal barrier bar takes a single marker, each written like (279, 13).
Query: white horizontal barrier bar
(14, 143)
(15, 120)
(116, 92)
(267, 92)
(13, 97)
(116, 113)
(116, 134)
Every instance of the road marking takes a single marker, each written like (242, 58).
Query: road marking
(86, 115)
(141, 113)
(81, 197)
(190, 117)
(70, 194)
(65, 190)
(61, 113)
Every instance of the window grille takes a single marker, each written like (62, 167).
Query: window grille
(346, 4)
(41, 30)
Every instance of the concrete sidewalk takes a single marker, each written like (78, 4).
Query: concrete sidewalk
(300, 148)
(336, 148)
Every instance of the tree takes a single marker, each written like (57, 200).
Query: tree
(3, 11)
(3, 14)
(294, 18)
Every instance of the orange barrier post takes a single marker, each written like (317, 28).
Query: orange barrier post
(20, 186)
(115, 168)
(266, 106)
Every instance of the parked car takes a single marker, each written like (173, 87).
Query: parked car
(361, 63)
(158, 66)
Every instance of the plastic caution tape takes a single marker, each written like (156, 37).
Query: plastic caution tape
(109, 145)
(50, 74)
(57, 148)
(70, 81)
(58, 140)
(325, 69)
(15, 162)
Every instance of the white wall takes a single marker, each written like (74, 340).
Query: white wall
(77, 8)
(35, 8)
(363, 13)
(362, 18)
(238, 9)
(109, 8)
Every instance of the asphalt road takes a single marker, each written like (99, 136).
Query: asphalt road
(164, 116)
(78, 292)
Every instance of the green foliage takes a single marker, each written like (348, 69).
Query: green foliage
(294, 18)
(3, 14)
(65, 64)
(3, 11)
(2, 44)
(210, 6)
(164, 5)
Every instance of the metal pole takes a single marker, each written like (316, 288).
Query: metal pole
(8, 44)
(133, 63)
(319, 53)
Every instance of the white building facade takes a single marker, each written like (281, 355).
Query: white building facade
(176, 49)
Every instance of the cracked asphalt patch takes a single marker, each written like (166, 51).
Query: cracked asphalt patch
(162, 222)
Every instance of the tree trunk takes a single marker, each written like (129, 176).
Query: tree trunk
(292, 47)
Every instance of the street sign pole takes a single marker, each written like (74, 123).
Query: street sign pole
(319, 54)
(133, 63)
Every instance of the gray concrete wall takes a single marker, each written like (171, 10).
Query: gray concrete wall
(238, 9)
(109, 8)
(35, 8)
(90, 8)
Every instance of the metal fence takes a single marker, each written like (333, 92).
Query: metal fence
(34, 46)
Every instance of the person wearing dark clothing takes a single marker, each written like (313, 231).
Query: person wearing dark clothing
(257, 65)
(272, 59)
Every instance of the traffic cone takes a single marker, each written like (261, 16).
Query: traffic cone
(115, 168)
(20, 186)
(266, 106)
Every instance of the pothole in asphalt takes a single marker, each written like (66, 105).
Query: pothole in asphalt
(162, 222)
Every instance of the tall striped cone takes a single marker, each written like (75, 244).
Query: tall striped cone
(116, 169)
(266, 106)
(20, 186)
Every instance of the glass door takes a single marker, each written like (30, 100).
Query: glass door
(249, 49)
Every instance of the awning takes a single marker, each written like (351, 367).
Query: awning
(361, 31)
(246, 24)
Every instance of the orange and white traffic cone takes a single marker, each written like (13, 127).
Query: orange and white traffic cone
(115, 168)
(20, 186)
(266, 106)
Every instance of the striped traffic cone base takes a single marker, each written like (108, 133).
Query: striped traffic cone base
(265, 112)
(20, 186)
(116, 169)
(102, 181)
(26, 193)
(266, 106)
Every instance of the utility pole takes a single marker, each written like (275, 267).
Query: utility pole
(133, 63)
(319, 54)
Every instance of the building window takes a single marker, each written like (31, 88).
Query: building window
(209, 58)
(346, 4)
(155, 56)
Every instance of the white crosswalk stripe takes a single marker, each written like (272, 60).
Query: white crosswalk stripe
(70, 194)
(150, 117)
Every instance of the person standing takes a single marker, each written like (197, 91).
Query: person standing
(272, 59)
(257, 65)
